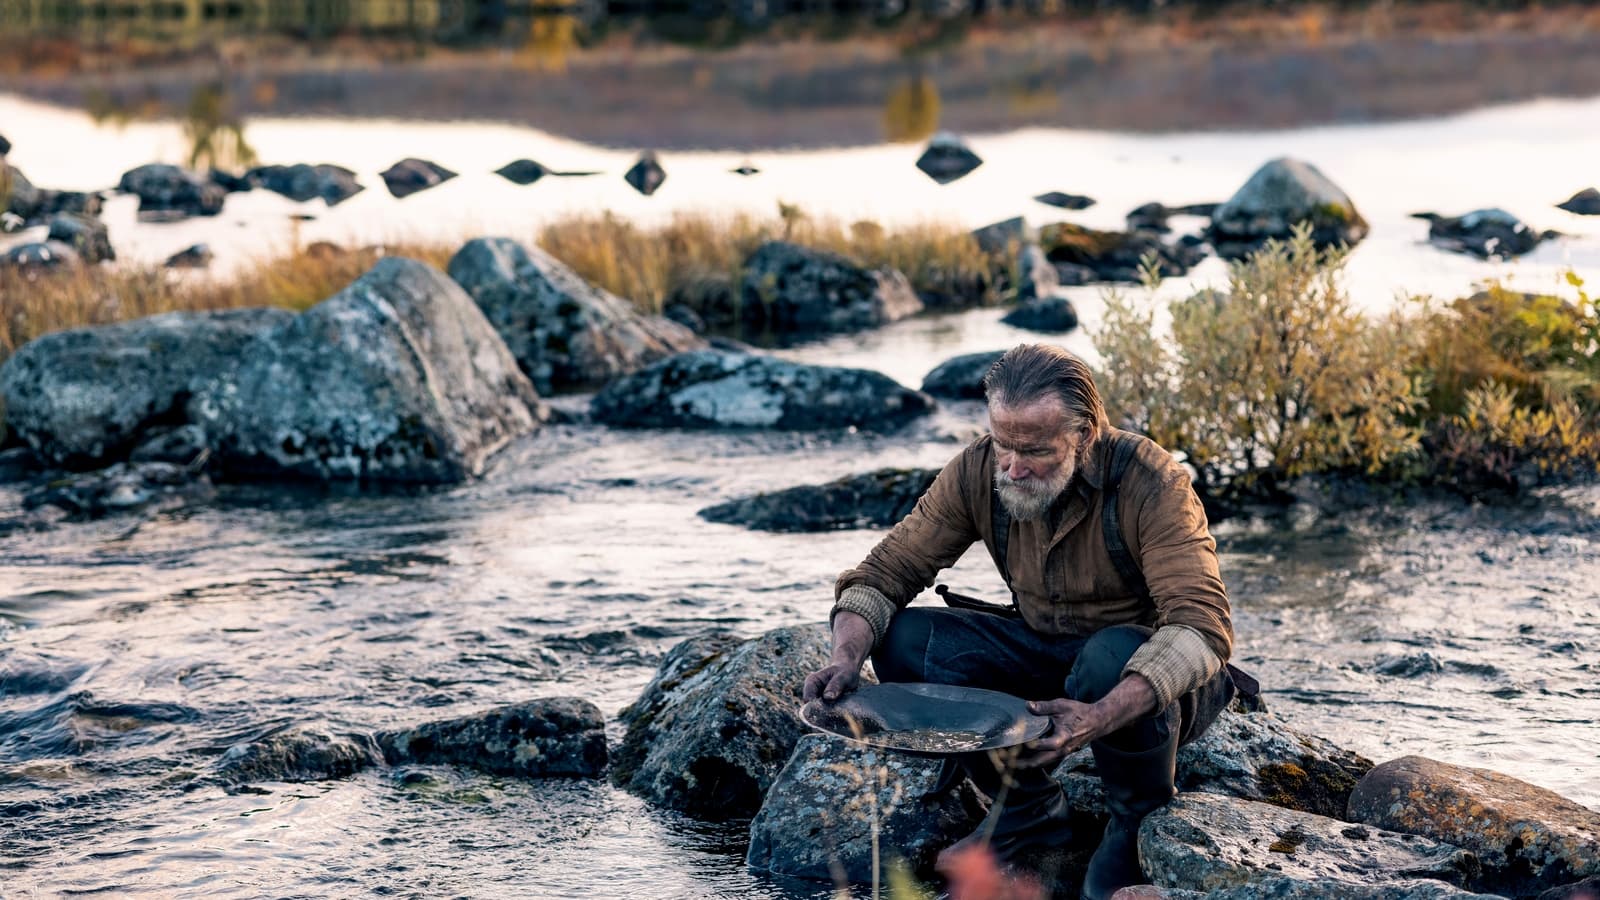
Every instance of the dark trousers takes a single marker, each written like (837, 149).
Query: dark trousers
(984, 650)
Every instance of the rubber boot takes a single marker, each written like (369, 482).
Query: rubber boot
(1136, 784)
(1029, 812)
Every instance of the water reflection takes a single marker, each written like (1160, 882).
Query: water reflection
(215, 132)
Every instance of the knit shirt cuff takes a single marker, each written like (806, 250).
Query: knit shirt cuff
(1175, 661)
(869, 603)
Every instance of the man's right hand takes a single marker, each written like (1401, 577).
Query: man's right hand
(852, 641)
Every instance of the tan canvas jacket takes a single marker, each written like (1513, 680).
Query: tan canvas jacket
(1065, 581)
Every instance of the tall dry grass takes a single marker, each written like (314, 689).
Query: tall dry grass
(649, 265)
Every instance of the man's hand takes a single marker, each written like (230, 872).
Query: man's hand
(852, 641)
(1074, 725)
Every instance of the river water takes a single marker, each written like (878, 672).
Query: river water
(134, 651)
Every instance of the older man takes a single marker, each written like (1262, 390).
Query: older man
(1119, 627)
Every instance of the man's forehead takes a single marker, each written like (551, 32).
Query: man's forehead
(1042, 418)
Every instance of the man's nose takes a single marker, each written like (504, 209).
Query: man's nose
(1017, 471)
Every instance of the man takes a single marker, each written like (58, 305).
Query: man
(1128, 659)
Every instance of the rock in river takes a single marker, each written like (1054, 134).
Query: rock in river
(408, 176)
(163, 188)
(961, 377)
(1280, 195)
(874, 500)
(1484, 233)
(789, 288)
(396, 378)
(729, 389)
(1584, 203)
(559, 736)
(564, 332)
(302, 182)
(712, 730)
(1049, 315)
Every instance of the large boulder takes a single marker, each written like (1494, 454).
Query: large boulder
(789, 288)
(874, 500)
(729, 389)
(1208, 842)
(1528, 838)
(1484, 233)
(961, 377)
(88, 236)
(711, 731)
(558, 736)
(169, 189)
(302, 182)
(1249, 755)
(564, 332)
(83, 397)
(1117, 255)
(1281, 195)
(411, 175)
(396, 378)
(820, 817)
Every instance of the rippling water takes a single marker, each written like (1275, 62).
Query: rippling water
(134, 651)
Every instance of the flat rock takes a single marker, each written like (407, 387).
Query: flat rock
(398, 377)
(1065, 201)
(297, 755)
(558, 736)
(874, 500)
(1048, 315)
(408, 176)
(83, 397)
(1208, 842)
(817, 821)
(1584, 203)
(1249, 755)
(1528, 838)
(711, 731)
(564, 332)
(961, 377)
(729, 389)
(1281, 194)
(789, 288)
(163, 188)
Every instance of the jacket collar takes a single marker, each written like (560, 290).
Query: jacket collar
(1091, 475)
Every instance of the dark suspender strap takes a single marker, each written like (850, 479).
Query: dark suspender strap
(1000, 521)
(1110, 519)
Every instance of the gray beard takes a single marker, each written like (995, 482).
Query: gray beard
(1032, 499)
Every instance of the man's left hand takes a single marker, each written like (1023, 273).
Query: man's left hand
(1072, 725)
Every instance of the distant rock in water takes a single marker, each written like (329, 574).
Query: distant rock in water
(874, 500)
(559, 736)
(788, 288)
(1154, 216)
(302, 182)
(84, 234)
(746, 170)
(26, 205)
(1584, 203)
(1065, 201)
(1117, 255)
(947, 159)
(1210, 842)
(711, 731)
(195, 256)
(398, 377)
(408, 176)
(1049, 315)
(564, 332)
(1529, 839)
(1484, 233)
(725, 389)
(1280, 195)
(124, 487)
(832, 797)
(84, 397)
(961, 377)
(646, 176)
(163, 188)
(522, 171)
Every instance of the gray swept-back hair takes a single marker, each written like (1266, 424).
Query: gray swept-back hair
(1030, 372)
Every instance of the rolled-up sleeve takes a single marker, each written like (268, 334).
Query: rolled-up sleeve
(931, 538)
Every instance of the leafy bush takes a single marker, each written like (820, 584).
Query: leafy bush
(1274, 377)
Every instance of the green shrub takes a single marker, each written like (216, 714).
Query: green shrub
(1274, 377)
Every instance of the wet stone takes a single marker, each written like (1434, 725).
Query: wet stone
(874, 500)
(961, 377)
(1208, 841)
(711, 731)
(122, 488)
(554, 737)
(1528, 838)
(297, 755)
(817, 820)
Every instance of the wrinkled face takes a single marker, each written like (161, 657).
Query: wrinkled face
(1035, 454)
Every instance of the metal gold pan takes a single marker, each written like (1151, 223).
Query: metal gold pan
(927, 718)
